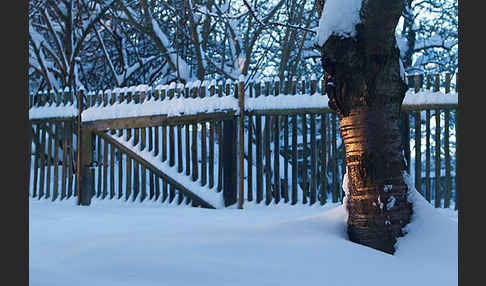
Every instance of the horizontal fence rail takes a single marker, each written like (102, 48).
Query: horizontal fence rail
(184, 143)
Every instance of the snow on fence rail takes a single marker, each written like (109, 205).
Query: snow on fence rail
(53, 111)
(206, 97)
(173, 107)
(276, 116)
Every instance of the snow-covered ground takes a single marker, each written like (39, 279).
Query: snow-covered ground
(120, 243)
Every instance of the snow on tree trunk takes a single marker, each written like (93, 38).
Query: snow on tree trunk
(366, 90)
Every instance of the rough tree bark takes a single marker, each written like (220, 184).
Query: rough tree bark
(365, 89)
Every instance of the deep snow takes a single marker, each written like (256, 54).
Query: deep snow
(130, 243)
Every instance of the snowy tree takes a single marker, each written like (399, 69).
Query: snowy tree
(102, 44)
(57, 34)
(201, 39)
(427, 36)
(120, 53)
(366, 87)
(159, 41)
(119, 43)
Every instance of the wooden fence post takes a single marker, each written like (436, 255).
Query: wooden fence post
(241, 142)
(229, 158)
(275, 128)
(437, 194)
(84, 175)
(427, 147)
(446, 147)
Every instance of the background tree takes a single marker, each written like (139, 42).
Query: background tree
(159, 41)
(427, 36)
(57, 33)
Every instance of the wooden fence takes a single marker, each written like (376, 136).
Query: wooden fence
(53, 163)
(437, 186)
(283, 154)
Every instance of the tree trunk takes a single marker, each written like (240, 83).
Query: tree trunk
(377, 200)
(366, 90)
